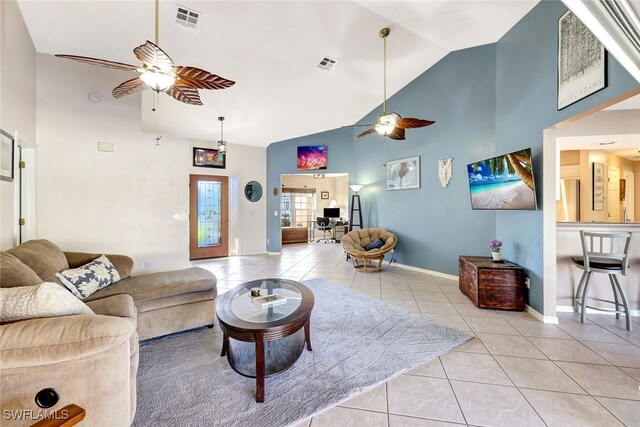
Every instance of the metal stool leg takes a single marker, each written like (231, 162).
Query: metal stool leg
(578, 297)
(624, 303)
(615, 296)
(585, 292)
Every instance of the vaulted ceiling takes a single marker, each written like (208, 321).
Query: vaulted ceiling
(272, 50)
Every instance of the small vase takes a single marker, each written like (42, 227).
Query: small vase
(497, 256)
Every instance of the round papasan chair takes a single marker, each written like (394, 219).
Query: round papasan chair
(355, 242)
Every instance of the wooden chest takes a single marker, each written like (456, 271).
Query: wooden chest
(490, 284)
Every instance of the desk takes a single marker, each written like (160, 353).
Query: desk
(340, 228)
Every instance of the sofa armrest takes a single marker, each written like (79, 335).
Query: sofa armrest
(122, 263)
(44, 341)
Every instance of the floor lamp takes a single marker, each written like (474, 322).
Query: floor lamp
(355, 207)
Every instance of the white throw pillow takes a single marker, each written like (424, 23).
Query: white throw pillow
(44, 300)
(90, 278)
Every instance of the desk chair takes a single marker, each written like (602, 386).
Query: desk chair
(606, 253)
(324, 225)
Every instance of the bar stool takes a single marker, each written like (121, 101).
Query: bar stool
(606, 253)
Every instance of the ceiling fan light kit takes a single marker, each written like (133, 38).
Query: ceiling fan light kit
(159, 73)
(391, 125)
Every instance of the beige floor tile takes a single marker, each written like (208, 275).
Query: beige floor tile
(452, 321)
(474, 367)
(305, 423)
(567, 350)
(627, 411)
(635, 373)
(397, 294)
(430, 296)
(425, 286)
(538, 374)
(490, 325)
(457, 297)
(626, 355)
(600, 380)
(591, 333)
(538, 329)
(632, 337)
(430, 369)
(468, 309)
(348, 417)
(494, 405)
(509, 345)
(472, 346)
(372, 400)
(400, 421)
(423, 397)
(396, 286)
(564, 410)
(436, 307)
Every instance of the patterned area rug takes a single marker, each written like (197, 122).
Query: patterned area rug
(358, 343)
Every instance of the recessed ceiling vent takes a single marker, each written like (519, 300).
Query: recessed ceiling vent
(327, 63)
(187, 17)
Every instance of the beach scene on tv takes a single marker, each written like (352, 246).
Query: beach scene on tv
(503, 182)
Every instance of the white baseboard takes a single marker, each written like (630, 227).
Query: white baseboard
(430, 272)
(569, 309)
(274, 253)
(541, 317)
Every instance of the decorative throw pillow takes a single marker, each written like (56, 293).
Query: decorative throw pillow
(376, 244)
(44, 300)
(91, 277)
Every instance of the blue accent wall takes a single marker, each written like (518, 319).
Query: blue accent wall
(486, 100)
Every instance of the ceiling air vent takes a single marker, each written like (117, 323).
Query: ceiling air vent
(187, 17)
(327, 63)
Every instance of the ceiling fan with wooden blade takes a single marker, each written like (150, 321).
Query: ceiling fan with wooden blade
(159, 74)
(391, 125)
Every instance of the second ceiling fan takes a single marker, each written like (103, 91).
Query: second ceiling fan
(391, 125)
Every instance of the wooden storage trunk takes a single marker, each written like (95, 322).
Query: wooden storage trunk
(491, 284)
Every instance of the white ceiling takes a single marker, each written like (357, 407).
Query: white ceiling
(271, 49)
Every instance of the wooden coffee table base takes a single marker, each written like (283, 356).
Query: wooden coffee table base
(246, 353)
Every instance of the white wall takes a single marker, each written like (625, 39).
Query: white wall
(134, 200)
(337, 186)
(248, 163)
(17, 100)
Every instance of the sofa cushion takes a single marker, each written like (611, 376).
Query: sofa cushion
(14, 272)
(43, 300)
(122, 263)
(161, 285)
(43, 257)
(91, 277)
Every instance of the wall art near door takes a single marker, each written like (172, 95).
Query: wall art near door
(6, 156)
(403, 174)
(312, 157)
(209, 158)
(582, 61)
(597, 176)
(324, 195)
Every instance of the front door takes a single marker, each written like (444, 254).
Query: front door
(208, 216)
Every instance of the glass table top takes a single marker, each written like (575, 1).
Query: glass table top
(248, 308)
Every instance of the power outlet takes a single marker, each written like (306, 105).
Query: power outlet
(527, 282)
(145, 264)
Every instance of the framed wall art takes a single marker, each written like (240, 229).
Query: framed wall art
(403, 174)
(582, 61)
(597, 176)
(209, 158)
(312, 157)
(324, 195)
(7, 149)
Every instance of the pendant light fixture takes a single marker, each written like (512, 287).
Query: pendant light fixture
(222, 144)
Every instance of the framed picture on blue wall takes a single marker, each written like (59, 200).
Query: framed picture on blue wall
(403, 174)
(582, 61)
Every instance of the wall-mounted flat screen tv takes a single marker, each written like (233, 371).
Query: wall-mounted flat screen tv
(503, 182)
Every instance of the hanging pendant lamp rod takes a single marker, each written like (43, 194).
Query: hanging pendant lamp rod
(221, 128)
(384, 33)
(157, 19)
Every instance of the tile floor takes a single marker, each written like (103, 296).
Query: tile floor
(516, 372)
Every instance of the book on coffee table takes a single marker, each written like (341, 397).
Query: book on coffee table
(269, 300)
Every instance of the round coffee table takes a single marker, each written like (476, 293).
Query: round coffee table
(260, 341)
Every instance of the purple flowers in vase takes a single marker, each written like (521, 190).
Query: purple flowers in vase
(495, 245)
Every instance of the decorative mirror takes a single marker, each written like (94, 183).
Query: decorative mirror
(253, 191)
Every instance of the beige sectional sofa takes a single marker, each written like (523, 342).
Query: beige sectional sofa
(92, 360)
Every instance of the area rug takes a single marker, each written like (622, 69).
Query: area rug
(358, 343)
